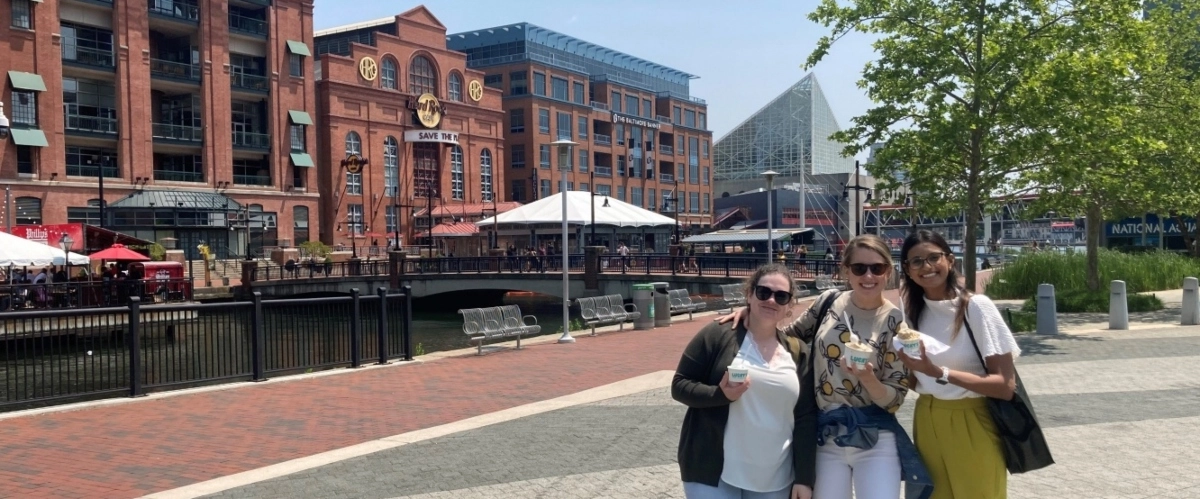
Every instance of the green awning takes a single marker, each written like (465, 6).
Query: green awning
(300, 118)
(298, 48)
(302, 159)
(27, 81)
(29, 137)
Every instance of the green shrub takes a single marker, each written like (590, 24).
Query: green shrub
(1019, 321)
(1098, 301)
(316, 248)
(157, 252)
(1142, 272)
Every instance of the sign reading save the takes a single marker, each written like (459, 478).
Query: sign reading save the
(431, 136)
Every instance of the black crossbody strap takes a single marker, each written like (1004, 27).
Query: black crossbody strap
(826, 306)
(971, 334)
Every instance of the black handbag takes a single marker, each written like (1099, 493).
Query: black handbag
(1021, 437)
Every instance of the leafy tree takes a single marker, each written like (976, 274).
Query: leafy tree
(962, 88)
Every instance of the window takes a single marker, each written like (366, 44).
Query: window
(389, 219)
(494, 81)
(620, 128)
(647, 110)
(299, 224)
(29, 211)
(89, 161)
(81, 215)
(703, 121)
(456, 173)
(694, 202)
(455, 85)
(485, 175)
(631, 104)
(615, 101)
(544, 121)
(22, 14)
(570, 186)
(603, 190)
(421, 77)
(706, 200)
(297, 133)
(679, 144)
(354, 219)
(87, 45)
(564, 126)
(179, 168)
(353, 143)
(707, 173)
(545, 188)
(251, 172)
(296, 68)
(387, 74)
(620, 193)
(621, 165)
(516, 192)
(391, 167)
(706, 149)
(353, 180)
(539, 84)
(558, 88)
(689, 118)
(516, 120)
(635, 196)
(518, 83)
(583, 127)
(676, 115)
(579, 93)
(89, 105)
(25, 160)
(584, 188)
(518, 155)
(583, 161)
(694, 160)
(426, 171)
(24, 108)
(544, 155)
(650, 201)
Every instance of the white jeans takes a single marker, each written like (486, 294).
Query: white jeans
(873, 473)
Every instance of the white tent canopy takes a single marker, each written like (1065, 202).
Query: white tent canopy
(579, 212)
(20, 252)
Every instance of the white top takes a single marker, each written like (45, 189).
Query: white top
(991, 334)
(758, 435)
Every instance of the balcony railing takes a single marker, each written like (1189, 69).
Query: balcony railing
(251, 179)
(247, 25)
(603, 171)
(90, 124)
(174, 176)
(175, 9)
(666, 177)
(88, 56)
(666, 149)
(601, 139)
(90, 171)
(599, 105)
(251, 140)
(174, 70)
(182, 133)
(250, 82)
(676, 95)
(661, 118)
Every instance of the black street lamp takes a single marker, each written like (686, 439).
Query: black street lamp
(858, 202)
(430, 192)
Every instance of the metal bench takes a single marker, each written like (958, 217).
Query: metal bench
(827, 283)
(481, 324)
(733, 295)
(514, 321)
(606, 310)
(681, 302)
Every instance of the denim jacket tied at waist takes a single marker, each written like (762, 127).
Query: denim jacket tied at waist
(859, 427)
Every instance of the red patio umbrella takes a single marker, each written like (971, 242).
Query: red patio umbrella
(119, 253)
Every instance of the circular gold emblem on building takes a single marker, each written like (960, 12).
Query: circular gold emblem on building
(367, 68)
(353, 163)
(429, 111)
(475, 90)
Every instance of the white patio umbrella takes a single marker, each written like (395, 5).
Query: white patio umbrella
(20, 252)
(579, 212)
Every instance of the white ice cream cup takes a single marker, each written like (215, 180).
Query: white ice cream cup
(858, 357)
(912, 348)
(737, 375)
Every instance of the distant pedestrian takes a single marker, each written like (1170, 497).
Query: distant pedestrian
(623, 251)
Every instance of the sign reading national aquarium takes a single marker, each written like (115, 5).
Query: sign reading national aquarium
(635, 121)
(1152, 225)
(431, 136)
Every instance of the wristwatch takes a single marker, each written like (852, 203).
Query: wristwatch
(945, 378)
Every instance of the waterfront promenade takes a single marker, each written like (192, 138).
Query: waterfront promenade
(592, 419)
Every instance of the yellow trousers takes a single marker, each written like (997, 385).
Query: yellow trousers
(958, 443)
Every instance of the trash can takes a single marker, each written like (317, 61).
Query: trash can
(643, 299)
(662, 305)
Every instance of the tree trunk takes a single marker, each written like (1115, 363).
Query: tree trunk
(1189, 237)
(1095, 223)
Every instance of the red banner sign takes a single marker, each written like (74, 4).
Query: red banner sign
(51, 235)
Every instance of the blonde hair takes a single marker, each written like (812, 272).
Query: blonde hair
(867, 242)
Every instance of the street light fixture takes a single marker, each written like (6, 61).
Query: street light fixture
(770, 176)
(564, 166)
(66, 242)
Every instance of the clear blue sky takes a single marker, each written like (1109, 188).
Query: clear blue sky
(745, 52)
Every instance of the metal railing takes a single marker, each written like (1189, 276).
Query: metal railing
(666, 177)
(88, 56)
(603, 171)
(666, 149)
(251, 140)
(91, 293)
(683, 97)
(661, 118)
(601, 139)
(60, 356)
(176, 9)
(247, 25)
(91, 124)
(174, 176)
(250, 82)
(91, 171)
(599, 105)
(174, 70)
(183, 133)
(251, 179)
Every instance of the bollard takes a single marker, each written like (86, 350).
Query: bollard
(1047, 310)
(1191, 302)
(1118, 307)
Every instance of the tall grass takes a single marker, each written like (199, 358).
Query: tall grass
(1154, 271)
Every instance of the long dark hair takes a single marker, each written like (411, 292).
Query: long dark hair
(914, 295)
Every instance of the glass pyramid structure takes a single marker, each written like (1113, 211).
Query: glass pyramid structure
(789, 135)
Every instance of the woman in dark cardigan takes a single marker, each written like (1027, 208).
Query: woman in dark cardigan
(757, 438)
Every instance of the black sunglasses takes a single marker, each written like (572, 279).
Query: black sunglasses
(764, 293)
(859, 269)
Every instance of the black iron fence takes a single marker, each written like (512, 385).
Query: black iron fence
(59, 356)
(93, 293)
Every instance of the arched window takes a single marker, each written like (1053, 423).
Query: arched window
(485, 175)
(391, 166)
(353, 180)
(455, 87)
(422, 79)
(29, 211)
(456, 173)
(353, 143)
(387, 74)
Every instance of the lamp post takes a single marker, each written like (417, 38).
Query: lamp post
(65, 243)
(7, 191)
(430, 192)
(564, 166)
(770, 176)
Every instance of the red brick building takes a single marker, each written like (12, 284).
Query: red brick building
(391, 94)
(197, 115)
